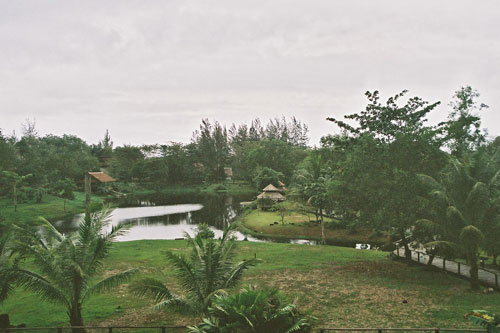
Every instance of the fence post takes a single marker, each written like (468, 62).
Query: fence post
(110, 329)
(418, 258)
(379, 330)
(163, 329)
(496, 280)
(59, 330)
(444, 266)
(436, 330)
(458, 268)
(397, 251)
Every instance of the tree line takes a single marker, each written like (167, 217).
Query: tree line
(56, 164)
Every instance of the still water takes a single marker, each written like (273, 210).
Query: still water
(170, 216)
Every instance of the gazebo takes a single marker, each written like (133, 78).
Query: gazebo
(270, 195)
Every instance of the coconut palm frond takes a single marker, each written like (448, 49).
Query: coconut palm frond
(236, 273)
(443, 248)
(152, 288)
(37, 284)
(477, 201)
(185, 272)
(455, 216)
(176, 303)
(111, 282)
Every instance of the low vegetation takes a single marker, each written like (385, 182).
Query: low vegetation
(341, 286)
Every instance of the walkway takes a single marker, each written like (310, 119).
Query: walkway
(487, 277)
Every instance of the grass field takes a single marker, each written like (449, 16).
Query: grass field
(343, 287)
(297, 225)
(52, 208)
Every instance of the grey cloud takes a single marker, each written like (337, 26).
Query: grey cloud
(150, 70)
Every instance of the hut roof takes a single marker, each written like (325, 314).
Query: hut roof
(276, 196)
(102, 177)
(270, 188)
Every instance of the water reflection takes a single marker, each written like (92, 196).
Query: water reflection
(169, 216)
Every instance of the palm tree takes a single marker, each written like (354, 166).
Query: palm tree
(471, 238)
(209, 270)
(68, 265)
(313, 185)
(465, 201)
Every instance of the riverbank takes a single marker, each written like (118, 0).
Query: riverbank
(262, 224)
(51, 208)
(343, 287)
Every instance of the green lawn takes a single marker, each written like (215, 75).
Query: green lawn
(51, 207)
(341, 286)
(297, 225)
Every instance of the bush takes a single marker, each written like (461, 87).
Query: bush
(252, 310)
(204, 231)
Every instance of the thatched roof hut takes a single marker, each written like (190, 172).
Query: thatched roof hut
(274, 196)
(270, 188)
(270, 195)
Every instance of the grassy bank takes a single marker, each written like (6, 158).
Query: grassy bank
(297, 225)
(52, 208)
(341, 286)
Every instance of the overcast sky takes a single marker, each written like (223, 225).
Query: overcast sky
(149, 71)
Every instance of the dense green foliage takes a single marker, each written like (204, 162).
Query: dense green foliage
(253, 310)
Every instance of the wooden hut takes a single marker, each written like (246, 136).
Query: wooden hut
(269, 196)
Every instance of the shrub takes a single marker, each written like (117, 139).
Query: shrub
(252, 310)
(204, 231)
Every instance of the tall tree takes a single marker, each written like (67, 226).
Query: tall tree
(212, 148)
(384, 151)
(463, 127)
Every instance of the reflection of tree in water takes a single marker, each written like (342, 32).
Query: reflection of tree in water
(218, 209)
(162, 219)
(214, 212)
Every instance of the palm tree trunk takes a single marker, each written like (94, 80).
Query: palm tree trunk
(474, 271)
(431, 259)
(407, 253)
(15, 196)
(76, 319)
(323, 241)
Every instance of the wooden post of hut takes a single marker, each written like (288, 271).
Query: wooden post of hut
(100, 177)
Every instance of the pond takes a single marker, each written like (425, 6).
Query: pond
(169, 216)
